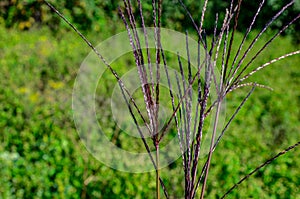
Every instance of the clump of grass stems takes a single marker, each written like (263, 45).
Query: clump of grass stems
(217, 55)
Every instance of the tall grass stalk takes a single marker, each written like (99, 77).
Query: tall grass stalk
(217, 56)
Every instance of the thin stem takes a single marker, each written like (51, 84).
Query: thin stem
(202, 16)
(115, 74)
(166, 127)
(249, 84)
(221, 135)
(157, 172)
(233, 116)
(139, 63)
(245, 36)
(260, 166)
(147, 47)
(164, 188)
(182, 124)
(263, 48)
(233, 75)
(203, 106)
(211, 148)
(269, 63)
(232, 35)
(122, 87)
(193, 22)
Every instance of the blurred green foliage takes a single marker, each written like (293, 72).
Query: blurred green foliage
(93, 15)
(86, 15)
(41, 155)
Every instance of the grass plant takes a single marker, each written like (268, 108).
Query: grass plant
(215, 54)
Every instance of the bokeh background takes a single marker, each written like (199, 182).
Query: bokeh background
(41, 155)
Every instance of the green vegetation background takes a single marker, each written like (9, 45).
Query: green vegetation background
(41, 155)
